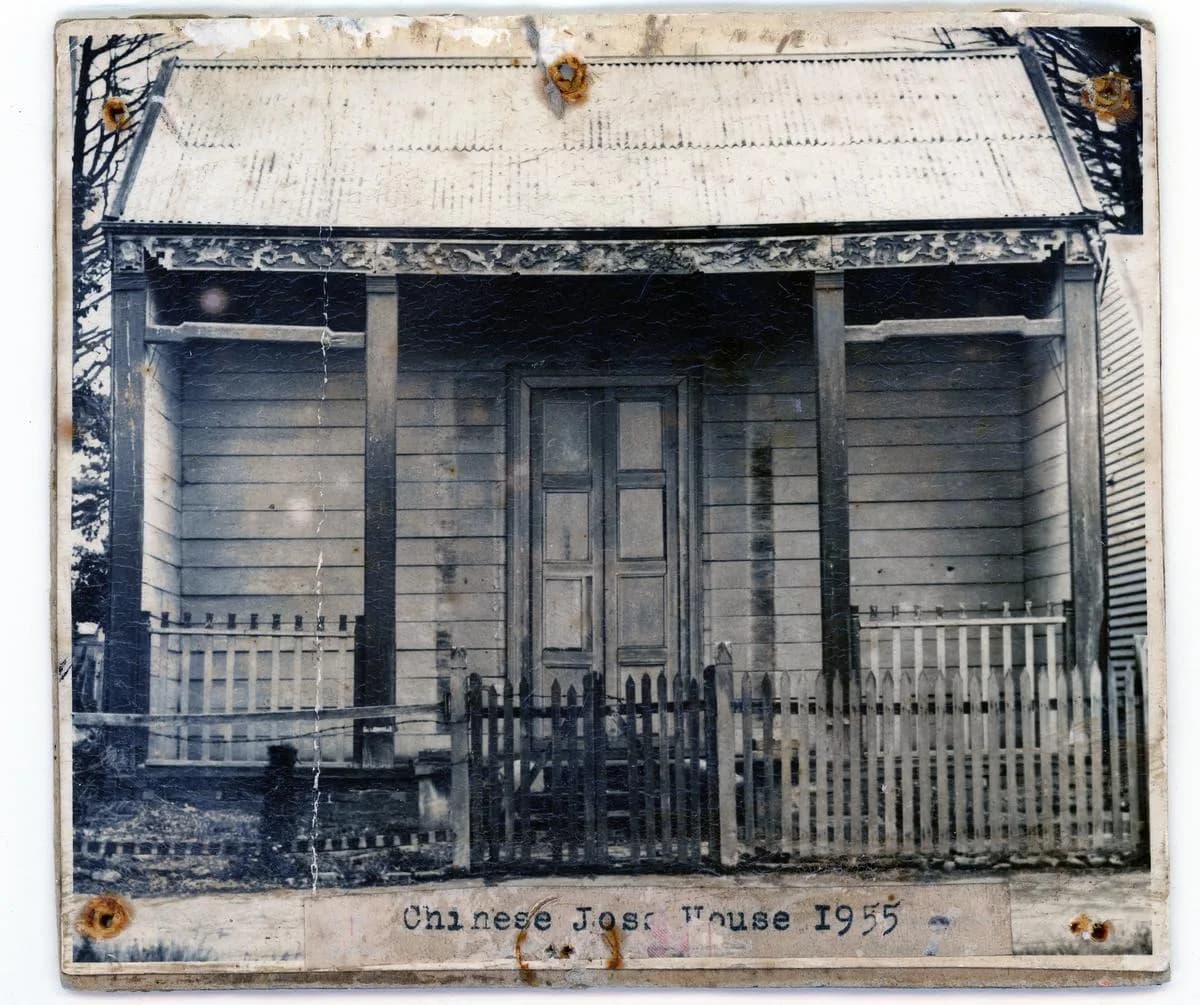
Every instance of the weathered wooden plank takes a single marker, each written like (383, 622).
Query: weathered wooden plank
(749, 809)
(938, 458)
(900, 403)
(891, 754)
(935, 486)
(1094, 684)
(321, 497)
(726, 753)
(664, 766)
(423, 440)
(525, 753)
(829, 323)
(786, 753)
(958, 834)
(272, 414)
(1047, 741)
(1135, 738)
(634, 759)
(1010, 710)
(695, 752)
(126, 681)
(301, 440)
(1079, 752)
(1028, 758)
(923, 571)
(652, 754)
(979, 761)
(475, 773)
(492, 769)
(784, 490)
(508, 781)
(925, 734)
(935, 515)
(312, 384)
(768, 810)
(460, 766)
(961, 373)
(977, 326)
(854, 758)
(871, 750)
(1084, 460)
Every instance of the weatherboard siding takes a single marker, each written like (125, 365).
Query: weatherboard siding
(161, 552)
(935, 455)
(1046, 527)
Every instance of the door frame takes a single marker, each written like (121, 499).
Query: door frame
(520, 386)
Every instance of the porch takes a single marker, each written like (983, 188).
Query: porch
(853, 466)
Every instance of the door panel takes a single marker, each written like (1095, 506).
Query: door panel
(642, 520)
(566, 529)
(604, 532)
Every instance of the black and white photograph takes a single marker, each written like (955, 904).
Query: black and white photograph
(605, 499)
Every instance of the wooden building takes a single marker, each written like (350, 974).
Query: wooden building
(793, 353)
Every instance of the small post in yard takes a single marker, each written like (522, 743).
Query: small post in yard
(726, 780)
(460, 753)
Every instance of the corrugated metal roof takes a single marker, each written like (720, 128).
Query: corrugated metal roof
(665, 143)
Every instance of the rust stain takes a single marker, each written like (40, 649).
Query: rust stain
(1091, 931)
(1110, 97)
(615, 959)
(528, 975)
(570, 75)
(115, 115)
(104, 917)
(66, 429)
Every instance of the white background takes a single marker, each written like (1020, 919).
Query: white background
(27, 895)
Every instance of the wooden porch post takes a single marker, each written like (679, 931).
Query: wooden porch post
(1084, 478)
(833, 495)
(126, 678)
(377, 684)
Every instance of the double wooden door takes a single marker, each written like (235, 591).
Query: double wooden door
(604, 533)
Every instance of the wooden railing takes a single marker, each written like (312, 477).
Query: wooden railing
(951, 757)
(238, 668)
(983, 637)
(1009, 761)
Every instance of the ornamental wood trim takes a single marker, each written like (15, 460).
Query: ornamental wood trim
(587, 256)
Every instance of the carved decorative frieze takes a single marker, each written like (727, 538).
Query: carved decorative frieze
(394, 256)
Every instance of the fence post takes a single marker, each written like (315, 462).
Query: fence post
(460, 753)
(726, 781)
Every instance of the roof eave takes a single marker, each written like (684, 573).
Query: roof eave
(141, 227)
(1076, 169)
(154, 105)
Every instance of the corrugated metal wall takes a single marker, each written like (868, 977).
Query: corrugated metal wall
(1122, 372)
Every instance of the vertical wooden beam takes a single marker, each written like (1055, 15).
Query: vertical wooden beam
(1084, 478)
(378, 681)
(726, 753)
(126, 679)
(460, 760)
(833, 495)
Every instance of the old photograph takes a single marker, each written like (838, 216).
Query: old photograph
(609, 499)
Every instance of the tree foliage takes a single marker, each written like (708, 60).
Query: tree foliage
(111, 78)
(1111, 152)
